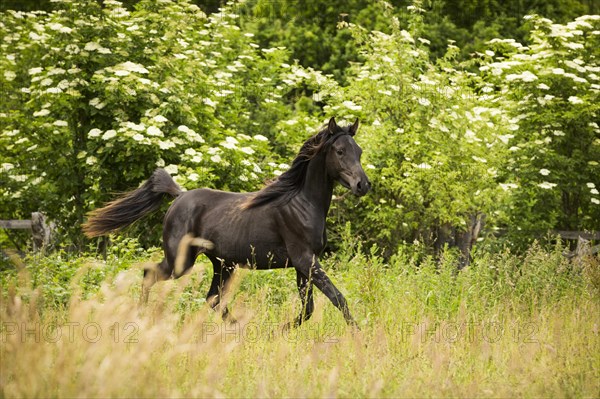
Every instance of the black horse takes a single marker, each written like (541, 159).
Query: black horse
(282, 225)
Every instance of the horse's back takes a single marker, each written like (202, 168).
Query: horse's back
(194, 204)
(239, 235)
(208, 195)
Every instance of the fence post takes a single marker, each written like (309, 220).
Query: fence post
(41, 232)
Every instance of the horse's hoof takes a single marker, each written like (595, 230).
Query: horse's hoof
(354, 327)
(287, 327)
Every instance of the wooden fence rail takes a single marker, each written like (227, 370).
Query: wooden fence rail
(575, 235)
(40, 230)
(15, 224)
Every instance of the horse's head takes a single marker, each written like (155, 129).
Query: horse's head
(343, 158)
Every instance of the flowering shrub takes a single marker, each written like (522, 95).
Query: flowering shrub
(552, 88)
(99, 97)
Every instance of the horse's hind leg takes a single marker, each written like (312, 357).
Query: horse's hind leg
(180, 256)
(187, 251)
(158, 272)
(218, 287)
(161, 271)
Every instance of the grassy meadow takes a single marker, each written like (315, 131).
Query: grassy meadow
(508, 325)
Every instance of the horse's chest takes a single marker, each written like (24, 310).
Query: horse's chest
(307, 229)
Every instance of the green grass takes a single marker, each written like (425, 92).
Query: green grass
(506, 326)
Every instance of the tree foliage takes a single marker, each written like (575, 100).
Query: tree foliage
(97, 96)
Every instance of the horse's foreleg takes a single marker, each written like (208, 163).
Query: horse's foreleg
(306, 296)
(305, 289)
(324, 284)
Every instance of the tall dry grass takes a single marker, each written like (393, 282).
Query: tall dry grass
(425, 332)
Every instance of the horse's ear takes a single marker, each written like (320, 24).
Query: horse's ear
(354, 128)
(332, 127)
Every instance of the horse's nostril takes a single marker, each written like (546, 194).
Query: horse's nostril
(363, 186)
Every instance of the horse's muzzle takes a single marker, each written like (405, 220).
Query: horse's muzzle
(362, 187)
(359, 186)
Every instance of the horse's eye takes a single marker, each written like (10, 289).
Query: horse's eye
(340, 152)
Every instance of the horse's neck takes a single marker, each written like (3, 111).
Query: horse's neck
(318, 187)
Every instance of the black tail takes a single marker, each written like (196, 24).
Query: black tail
(132, 206)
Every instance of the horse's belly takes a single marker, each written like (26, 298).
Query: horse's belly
(243, 237)
(255, 244)
(255, 255)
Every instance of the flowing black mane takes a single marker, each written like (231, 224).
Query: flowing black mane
(287, 186)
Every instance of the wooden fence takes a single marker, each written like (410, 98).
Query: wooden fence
(42, 234)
